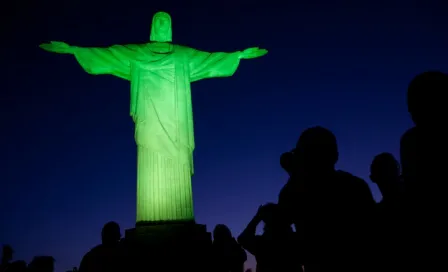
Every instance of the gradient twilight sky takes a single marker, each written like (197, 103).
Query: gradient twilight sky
(68, 159)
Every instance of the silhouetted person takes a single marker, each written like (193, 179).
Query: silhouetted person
(108, 256)
(424, 147)
(427, 141)
(423, 151)
(7, 253)
(227, 254)
(17, 266)
(426, 107)
(330, 209)
(276, 249)
(41, 264)
(385, 172)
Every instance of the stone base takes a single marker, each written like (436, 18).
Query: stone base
(169, 247)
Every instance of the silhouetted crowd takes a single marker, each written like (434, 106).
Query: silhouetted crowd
(38, 264)
(338, 226)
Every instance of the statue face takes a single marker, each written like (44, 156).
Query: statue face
(161, 27)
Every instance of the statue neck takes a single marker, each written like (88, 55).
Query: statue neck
(161, 47)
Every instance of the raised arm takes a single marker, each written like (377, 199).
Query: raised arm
(210, 65)
(114, 60)
(248, 238)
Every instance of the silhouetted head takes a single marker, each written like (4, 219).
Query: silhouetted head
(111, 235)
(426, 92)
(222, 233)
(42, 264)
(7, 253)
(18, 266)
(161, 30)
(274, 220)
(384, 168)
(385, 172)
(287, 161)
(316, 149)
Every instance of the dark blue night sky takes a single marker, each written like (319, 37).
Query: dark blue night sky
(68, 157)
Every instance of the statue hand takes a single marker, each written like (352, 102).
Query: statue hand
(253, 52)
(57, 47)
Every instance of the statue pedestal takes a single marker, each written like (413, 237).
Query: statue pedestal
(169, 247)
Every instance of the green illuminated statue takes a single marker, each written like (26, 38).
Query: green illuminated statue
(160, 74)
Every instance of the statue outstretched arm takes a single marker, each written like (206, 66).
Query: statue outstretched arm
(210, 65)
(113, 60)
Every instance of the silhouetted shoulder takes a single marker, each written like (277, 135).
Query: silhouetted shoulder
(89, 257)
(408, 153)
(409, 136)
(347, 175)
(409, 133)
(283, 195)
(355, 186)
(287, 200)
(407, 142)
(95, 250)
(288, 193)
(350, 178)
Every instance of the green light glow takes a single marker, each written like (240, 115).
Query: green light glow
(160, 74)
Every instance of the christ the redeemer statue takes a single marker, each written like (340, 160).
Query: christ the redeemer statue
(160, 74)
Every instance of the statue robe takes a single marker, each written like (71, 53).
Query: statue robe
(162, 112)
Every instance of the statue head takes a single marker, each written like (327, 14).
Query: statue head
(161, 27)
